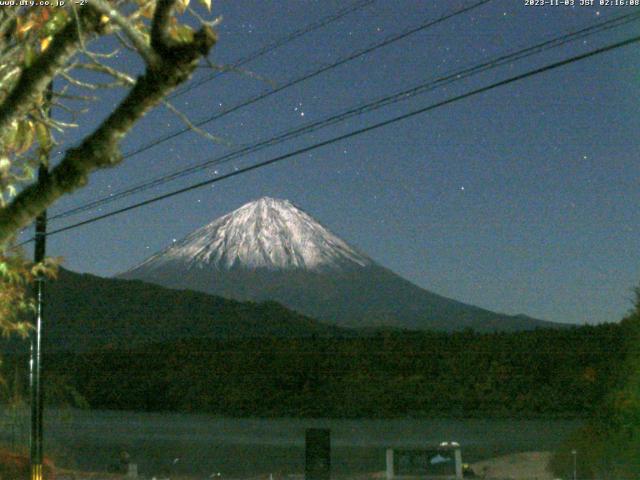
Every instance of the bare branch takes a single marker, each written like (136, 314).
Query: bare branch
(124, 43)
(66, 108)
(92, 86)
(96, 55)
(102, 68)
(78, 26)
(34, 79)
(76, 98)
(209, 23)
(136, 38)
(101, 149)
(14, 71)
(189, 124)
(241, 71)
(60, 94)
(60, 125)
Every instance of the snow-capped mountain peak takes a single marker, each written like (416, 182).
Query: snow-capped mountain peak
(266, 233)
(271, 250)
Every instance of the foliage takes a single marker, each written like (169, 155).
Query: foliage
(608, 447)
(241, 358)
(50, 58)
(543, 373)
(15, 276)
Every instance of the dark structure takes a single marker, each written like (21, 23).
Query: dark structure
(317, 454)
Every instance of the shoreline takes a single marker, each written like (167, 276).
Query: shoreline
(517, 466)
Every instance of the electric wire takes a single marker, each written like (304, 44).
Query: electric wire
(351, 134)
(269, 48)
(277, 44)
(387, 41)
(358, 110)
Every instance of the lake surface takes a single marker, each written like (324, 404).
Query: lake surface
(204, 445)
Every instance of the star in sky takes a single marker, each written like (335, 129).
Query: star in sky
(530, 169)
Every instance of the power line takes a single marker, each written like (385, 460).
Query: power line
(370, 106)
(354, 133)
(273, 46)
(279, 43)
(387, 41)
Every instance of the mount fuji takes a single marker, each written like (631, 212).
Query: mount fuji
(270, 249)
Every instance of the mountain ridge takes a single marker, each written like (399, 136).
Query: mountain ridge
(88, 311)
(270, 249)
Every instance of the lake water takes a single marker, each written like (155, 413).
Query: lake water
(203, 445)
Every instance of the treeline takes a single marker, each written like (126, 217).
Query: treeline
(540, 373)
(608, 445)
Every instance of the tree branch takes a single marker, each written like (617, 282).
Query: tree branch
(34, 79)
(101, 148)
(160, 25)
(136, 38)
(191, 126)
(105, 69)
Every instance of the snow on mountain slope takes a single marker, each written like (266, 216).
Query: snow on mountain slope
(271, 250)
(267, 233)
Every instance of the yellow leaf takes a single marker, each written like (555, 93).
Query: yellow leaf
(44, 43)
(206, 3)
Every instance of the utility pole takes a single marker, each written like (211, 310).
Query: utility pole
(35, 363)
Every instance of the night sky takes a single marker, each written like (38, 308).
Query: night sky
(520, 200)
